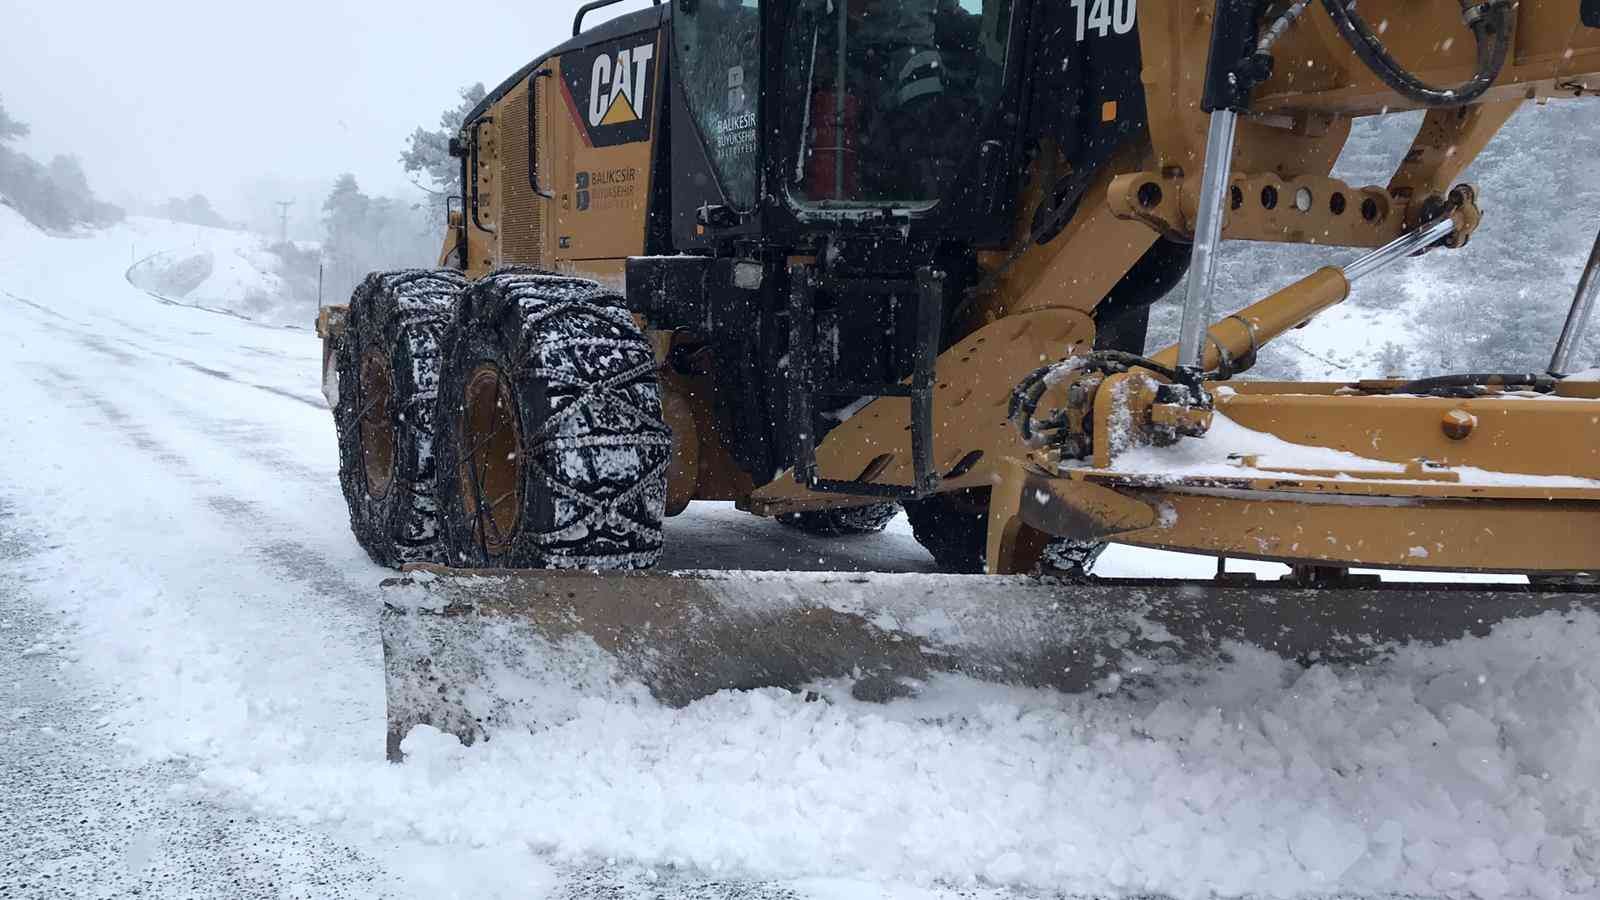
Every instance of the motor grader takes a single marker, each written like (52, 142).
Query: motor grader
(820, 257)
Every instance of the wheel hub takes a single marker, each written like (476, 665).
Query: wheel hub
(490, 472)
(377, 423)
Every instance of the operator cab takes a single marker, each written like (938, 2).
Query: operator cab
(879, 111)
(836, 168)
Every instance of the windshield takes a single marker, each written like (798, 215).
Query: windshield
(889, 97)
(719, 64)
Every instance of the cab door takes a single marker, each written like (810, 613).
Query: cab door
(602, 137)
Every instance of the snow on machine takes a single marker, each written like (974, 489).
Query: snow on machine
(823, 257)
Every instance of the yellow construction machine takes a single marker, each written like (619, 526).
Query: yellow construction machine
(822, 257)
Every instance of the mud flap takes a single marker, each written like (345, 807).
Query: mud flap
(475, 654)
(330, 375)
(332, 321)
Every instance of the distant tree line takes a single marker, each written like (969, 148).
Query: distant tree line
(194, 209)
(54, 196)
(366, 233)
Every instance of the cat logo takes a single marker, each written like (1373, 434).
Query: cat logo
(610, 88)
(617, 87)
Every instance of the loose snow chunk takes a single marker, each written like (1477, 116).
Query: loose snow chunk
(1327, 847)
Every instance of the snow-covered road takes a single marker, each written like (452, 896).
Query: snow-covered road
(191, 696)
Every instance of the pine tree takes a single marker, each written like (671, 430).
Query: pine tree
(10, 129)
(194, 209)
(349, 246)
(427, 153)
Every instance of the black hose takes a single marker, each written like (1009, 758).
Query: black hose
(1490, 22)
(1023, 407)
(1543, 384)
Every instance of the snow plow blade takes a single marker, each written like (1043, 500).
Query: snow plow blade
(475, 653)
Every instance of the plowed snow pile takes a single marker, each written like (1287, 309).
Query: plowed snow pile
(1468, 769)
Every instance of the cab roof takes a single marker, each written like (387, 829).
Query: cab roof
(630, 23)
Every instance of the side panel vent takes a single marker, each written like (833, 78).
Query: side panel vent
(522, 210)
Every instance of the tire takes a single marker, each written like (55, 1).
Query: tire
(1564, 581)
(954, 529)
(388, 364)
(855, 521)
(1069, 558)
(553, 450)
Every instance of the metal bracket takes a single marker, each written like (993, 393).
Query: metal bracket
(533, 133)
(472, 149)
(1577, 324)
(803, 389)
(584, 10)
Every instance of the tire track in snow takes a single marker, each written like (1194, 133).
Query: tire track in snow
(82, 823)
(40, 307)
(329, 593)
(247, 442)
(133, 432)
(99, 344)
(290, 559)
(575, 882)
(226, 376)
(317, 403)
(633, 883)
(166, 337)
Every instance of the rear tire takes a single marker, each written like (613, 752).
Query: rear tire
(954, 529)
(1070, 559)
(852, 522)
(553, 451)
(388, 363)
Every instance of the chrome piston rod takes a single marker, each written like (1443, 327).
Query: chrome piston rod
(1207, 236)
(1578, 316)
(1399, 248)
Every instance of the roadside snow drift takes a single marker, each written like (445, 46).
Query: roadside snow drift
(216, 269)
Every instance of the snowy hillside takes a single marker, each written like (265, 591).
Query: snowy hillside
(213, 268)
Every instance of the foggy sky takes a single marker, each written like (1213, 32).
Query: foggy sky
(240, 100)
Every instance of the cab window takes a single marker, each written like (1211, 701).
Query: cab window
(718, 62)
(890, 97)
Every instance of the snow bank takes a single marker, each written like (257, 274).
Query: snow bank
(1462, 770)
(217, 269)
(12, 221)
(214, 269)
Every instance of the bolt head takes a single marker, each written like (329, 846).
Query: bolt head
(1458, 424)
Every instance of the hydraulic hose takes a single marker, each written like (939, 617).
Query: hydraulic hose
(1490, 22)
(1450, 385)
